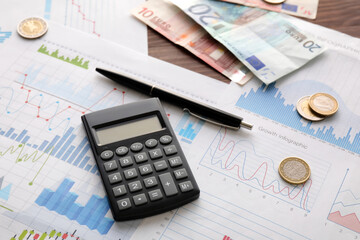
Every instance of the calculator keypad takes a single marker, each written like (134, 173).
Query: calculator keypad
(157, 161)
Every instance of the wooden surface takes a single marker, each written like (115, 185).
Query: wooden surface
(340, 15)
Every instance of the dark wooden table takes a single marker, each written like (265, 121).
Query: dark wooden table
(340, 15)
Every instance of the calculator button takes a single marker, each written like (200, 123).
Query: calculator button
(186, 186)
(160, 165)
(150, 182)
(175, 161)
(141, 157)
(119, 190)
(135, 186)
(168, 184)
(140, 199)
(136, 147)
(170, 150)
(155, 195)
(130, 173)
(155, 154)
(109, 166)
(124, 204)
(126, 161)
(107, 154)
(180, 174)
(115, 178)
(121, 151)
(151, 143)
(145, 169)
(166, 139)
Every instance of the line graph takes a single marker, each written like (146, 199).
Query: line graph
(85, 18)
(269, 102)
(239, 160)
(345, 210)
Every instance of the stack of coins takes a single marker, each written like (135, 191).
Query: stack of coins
(317, 107)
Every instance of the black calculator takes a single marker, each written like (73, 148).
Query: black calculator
(141, 163)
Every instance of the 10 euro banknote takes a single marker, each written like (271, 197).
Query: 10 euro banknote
(269, 45)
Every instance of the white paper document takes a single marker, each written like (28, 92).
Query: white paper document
(48, 83)
(108, 19)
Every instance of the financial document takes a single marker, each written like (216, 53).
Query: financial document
(109, 19)
(242, 195)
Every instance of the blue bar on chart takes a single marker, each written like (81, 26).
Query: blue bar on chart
(188, 127)
(63, 202)
(59, 147)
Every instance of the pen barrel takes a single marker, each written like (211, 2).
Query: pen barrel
(206, 112)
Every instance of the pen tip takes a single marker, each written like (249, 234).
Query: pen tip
(246, 125)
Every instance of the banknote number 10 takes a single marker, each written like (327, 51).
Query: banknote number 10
(311, 45)
(146, 13)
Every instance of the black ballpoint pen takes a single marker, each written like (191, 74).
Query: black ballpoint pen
(199, 110)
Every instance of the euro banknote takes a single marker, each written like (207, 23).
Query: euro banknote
(269, 45)
(301, 8)
(179, 28)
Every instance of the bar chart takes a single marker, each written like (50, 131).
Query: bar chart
(63, 202)
(188, 127)
(4, 35)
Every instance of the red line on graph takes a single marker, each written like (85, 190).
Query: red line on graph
(93, 22)
(229, 168)
(38, 107)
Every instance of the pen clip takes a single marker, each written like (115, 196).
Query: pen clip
(210, 121)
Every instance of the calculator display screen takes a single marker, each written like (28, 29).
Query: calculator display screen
(129, 129)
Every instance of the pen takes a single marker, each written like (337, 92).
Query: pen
(199, 110)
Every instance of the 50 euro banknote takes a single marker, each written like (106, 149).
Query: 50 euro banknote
(269, 45)
(301, 8)
(171, 22)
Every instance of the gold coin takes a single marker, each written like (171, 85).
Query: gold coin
(33, 27)
(294, 170)
(274, 1)
(305, 111)
(323, 104)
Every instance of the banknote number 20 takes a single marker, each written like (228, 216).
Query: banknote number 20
(311, 45)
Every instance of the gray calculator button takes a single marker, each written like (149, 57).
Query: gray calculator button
(115, 178)
(168, 184)
(106, 155)
(166, 139)
(135, 186)
(160, 165)
(155, 195)
(151, 143)
(155, 154)
(141, 157)
(186, 186)
(119, 190)
(175, 161)
(145, 169)
(150, 182)
(136, 147)
(111, 165)
(121, 151)
(130, 173)
(126, 161)
(140, 199)
(180, 174)
(170, 150)
(124, 204)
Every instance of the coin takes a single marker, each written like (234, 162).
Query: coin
(294, 170)
(323, 104)
(33, 27)
(305, 111)
(274, 1)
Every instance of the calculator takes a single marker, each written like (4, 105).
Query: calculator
(141, 163)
